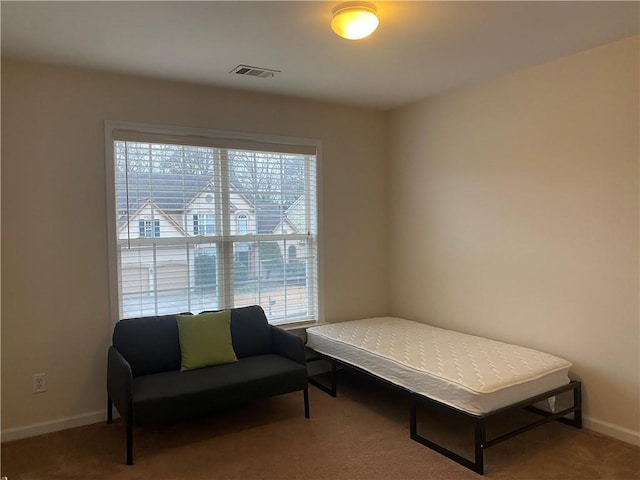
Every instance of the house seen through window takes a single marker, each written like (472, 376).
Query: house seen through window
(208, 226)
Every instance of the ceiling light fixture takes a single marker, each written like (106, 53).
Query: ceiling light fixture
(354, 20)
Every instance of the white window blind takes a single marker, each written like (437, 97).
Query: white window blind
(206, 224)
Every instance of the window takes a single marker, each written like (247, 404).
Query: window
(204, 224)
(148, 228)
(234, 213)
(243, 224)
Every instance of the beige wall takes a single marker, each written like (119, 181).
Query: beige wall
(55, 297)
(513, 207)
(515, 216)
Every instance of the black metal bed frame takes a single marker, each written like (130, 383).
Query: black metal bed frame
(479, 421)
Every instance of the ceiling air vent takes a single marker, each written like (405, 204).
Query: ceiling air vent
(249, 71)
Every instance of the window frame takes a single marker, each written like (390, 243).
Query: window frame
(257, 141)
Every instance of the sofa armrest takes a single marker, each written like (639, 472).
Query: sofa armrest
(288, 345)
(119, 382)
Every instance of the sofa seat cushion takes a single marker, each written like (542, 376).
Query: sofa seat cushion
(176, 394)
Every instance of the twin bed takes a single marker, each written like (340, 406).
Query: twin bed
(472, 376)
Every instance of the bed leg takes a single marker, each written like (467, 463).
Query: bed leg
(477, 465)
(334, 380)
(412, 419)
(480, 436)
(577, 403)
(333, 389)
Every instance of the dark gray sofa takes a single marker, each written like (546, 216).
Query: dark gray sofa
(145, 383)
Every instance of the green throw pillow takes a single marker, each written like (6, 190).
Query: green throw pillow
(205, 340)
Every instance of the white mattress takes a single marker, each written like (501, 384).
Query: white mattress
(470, 373)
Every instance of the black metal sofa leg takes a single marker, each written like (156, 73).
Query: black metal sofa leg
(306, 402)
(109, 410)
(129, 441)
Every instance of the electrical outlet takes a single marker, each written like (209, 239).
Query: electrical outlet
(38, 383)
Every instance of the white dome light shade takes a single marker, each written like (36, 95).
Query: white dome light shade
(354, 20)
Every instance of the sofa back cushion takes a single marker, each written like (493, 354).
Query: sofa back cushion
(250, 331)
(149, 344)
(152, 344)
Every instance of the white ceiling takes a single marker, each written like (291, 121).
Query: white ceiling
(420, 48)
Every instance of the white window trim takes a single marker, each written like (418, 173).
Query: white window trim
(166, 130)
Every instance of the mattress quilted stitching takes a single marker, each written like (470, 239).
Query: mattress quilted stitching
(476, 363)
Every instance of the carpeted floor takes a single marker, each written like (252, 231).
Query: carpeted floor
(362, 434)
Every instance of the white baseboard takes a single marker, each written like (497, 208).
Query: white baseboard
(54, 425)
(612, 430)
(600, 426)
